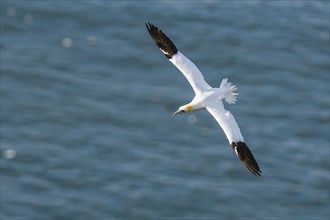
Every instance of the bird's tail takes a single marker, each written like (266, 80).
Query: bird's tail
(228, 91)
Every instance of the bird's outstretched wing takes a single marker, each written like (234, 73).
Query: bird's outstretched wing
(228, 124)
(189, 70)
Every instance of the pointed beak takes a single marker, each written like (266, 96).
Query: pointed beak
(178, 112)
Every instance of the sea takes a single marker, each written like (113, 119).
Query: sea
(87, 98)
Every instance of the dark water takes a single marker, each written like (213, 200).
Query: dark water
(87, 130)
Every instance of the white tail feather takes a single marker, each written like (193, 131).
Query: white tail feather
(228, 91)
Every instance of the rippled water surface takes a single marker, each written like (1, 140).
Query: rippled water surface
(87, 130)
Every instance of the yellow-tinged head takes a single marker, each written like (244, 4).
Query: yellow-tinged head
(184, 108)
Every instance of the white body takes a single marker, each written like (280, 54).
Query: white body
(210, 98)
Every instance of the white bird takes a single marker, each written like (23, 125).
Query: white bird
(207, 97)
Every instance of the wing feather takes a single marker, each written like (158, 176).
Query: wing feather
(191, 72)
(246, 156)
(188, 68)
(228, 124)
(226, 120)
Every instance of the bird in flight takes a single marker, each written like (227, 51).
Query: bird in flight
(207, 97)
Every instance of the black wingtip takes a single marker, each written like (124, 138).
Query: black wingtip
(148, 25)
(163, 42)
(246, 156)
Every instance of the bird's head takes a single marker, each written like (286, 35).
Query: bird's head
(184, 109)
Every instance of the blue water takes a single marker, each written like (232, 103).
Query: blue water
(87, 130)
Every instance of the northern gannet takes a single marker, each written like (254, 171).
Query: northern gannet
(207, 97)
